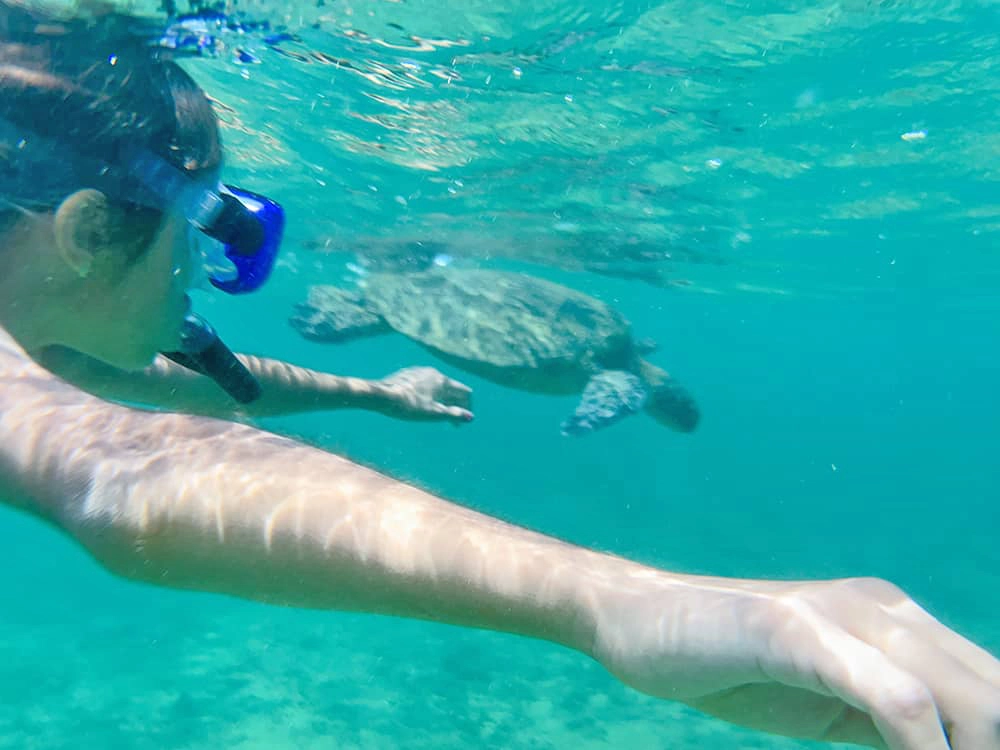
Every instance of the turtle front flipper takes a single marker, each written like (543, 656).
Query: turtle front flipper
(335, 315)
(669, 403)
(610, 395)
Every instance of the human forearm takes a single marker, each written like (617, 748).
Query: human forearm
(285, 388)
(290, 389)
(206, 505)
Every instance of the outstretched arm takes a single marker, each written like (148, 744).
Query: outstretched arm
(416, 393)
(201, 504)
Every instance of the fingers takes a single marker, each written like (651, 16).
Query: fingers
(454, 413)
(901, 707)
(458, 387)
(432, 380)
(975, 736)
(421, 408)
(429, 394)
(963, 679)
(958, 676)
(974, 658)
(457, 394)
(454, 401)
(894, 603)
(919, 695)
(969, 704)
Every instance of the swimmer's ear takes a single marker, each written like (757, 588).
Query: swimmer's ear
(86, 223)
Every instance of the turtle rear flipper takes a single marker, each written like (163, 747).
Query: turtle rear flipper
(334, 315)
(610, 395)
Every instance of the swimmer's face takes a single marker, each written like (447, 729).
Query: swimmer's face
(130, 268)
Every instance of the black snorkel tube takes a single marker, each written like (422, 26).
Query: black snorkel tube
(203, 352)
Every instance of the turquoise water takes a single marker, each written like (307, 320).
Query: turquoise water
(826, 287)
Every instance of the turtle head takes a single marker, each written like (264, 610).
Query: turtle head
(334, 315)
(673, 406)
(668, 402)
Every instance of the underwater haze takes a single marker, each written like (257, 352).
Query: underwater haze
(799, 202)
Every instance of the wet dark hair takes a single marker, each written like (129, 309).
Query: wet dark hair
(100, 85)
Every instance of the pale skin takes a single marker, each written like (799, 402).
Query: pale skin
(194, 502)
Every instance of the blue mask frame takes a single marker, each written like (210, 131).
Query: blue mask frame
(248, 226)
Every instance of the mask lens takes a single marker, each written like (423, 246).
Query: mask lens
(209, 260)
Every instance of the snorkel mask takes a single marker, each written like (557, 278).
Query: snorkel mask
(244, 228)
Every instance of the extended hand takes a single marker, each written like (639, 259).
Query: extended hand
(852, 660)
(424, 393)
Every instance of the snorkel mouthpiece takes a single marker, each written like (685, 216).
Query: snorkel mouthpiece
(203, 351)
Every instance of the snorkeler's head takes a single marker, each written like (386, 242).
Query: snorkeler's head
(102, 102)
(95, 259)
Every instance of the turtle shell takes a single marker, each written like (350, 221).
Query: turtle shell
(502, 319)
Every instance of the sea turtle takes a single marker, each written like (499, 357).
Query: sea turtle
(511, 328)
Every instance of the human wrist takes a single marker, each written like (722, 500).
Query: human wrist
(676, 636)
(603, 594)
(340, 392)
